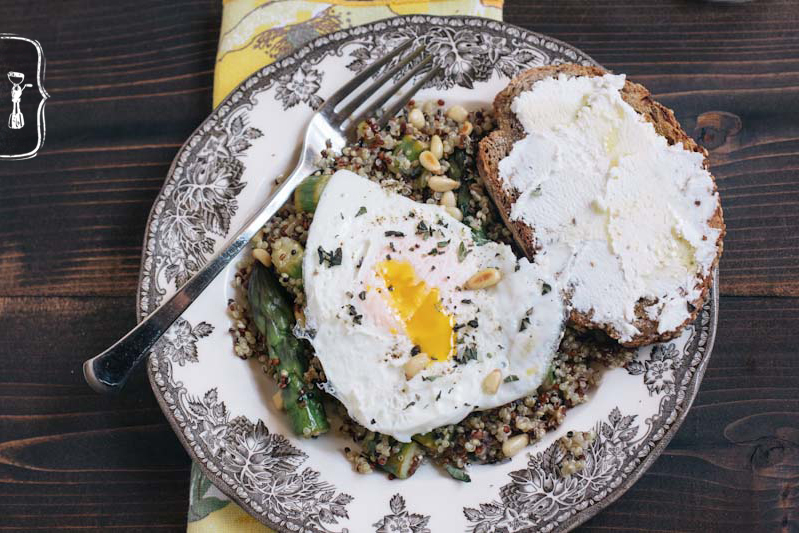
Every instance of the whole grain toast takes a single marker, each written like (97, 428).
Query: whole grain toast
(496, 146)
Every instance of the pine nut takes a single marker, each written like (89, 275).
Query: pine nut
(488, 277)
(515, 444)
(465, 128)
(414, 365)
(492, 381)
(437, 148)
(277, 399)
(448, 199)
(454, 212)
(441, 183)
(262, 256)
(457, 113)
(416, 118)
(430, 162)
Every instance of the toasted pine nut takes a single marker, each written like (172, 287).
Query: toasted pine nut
(457, 113)
(441, 183)
(488, 277)
(437, 148)
(430, 162)
(448, 199)
(416, 118)
(492, 381)
(414, 365)
(262, 256)
(515, 444)
(454, 212)
(465, 128)
(277, 399)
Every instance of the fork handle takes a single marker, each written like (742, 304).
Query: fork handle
(108, 371)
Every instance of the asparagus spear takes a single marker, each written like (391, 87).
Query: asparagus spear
(274, 318)
(402, 464)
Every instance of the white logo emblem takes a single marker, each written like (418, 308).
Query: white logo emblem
(16, 121)
(22, 135)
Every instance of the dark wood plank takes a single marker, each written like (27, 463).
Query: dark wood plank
(131, 79)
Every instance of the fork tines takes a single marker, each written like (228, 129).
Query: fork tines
(346, 116)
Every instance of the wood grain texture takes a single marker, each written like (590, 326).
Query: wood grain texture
(129, 82)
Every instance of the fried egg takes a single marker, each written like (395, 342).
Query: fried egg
(385, 279)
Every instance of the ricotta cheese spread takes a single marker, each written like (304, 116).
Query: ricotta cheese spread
(618, 213)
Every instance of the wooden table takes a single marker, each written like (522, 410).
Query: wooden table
(129, 82)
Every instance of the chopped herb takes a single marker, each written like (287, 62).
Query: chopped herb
(424, 230)
(511, 379)
(372, 421)
(430, 378)
(457, 473)
(473, 323)
(357, 319)
(391, 247)
(516, 267)
(333, 258)
(392, 233)
(438, 396)
(442, 244)
(537, 191)
(360, 262)
(409, 405)
(479, 236)
(361, 211)
(351, 310)
(457, 327)
(546, 288)
(466, 301)
(524, 323)
(469, 353)
(416, 349)
(434, 251)
(362, 295)
(462, 252)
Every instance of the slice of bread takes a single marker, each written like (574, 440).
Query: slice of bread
(498, 144)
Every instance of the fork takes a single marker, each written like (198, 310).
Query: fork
(329, 128)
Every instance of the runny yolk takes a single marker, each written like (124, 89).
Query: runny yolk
(419, 308)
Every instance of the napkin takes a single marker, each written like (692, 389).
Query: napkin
(255, 33)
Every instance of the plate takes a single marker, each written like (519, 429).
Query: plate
(220, 406)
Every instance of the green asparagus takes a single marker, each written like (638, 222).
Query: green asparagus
(410, 148)
(402, 464)
(287, 256)
(306, 196)
(274, 318)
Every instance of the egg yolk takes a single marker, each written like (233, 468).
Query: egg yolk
(419, 308)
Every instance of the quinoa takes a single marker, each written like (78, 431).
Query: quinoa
(479, 438)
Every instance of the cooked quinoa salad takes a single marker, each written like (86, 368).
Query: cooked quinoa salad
(410, 156)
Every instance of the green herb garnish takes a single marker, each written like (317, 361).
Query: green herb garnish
(462, 252)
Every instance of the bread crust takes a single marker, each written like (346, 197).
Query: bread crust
(497, 145)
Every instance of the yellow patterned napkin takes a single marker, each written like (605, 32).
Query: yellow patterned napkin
(254, 34)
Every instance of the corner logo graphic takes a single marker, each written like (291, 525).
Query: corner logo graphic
(21, 67)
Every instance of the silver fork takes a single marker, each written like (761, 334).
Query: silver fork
(328, 129)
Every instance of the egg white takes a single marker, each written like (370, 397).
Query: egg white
(363, 348)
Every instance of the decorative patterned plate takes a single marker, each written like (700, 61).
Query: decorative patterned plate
(219, 405)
